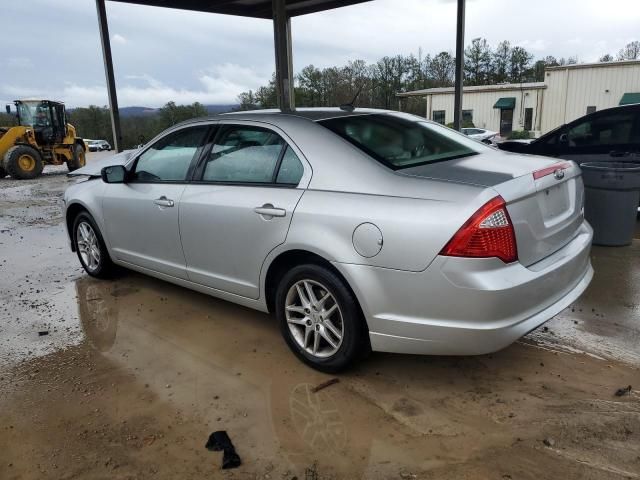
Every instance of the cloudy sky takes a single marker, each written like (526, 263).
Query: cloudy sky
(51, 47)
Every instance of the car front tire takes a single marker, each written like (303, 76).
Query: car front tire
(90, 247)
(320, 318)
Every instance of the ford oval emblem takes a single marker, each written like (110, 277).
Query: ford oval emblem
(559, 174)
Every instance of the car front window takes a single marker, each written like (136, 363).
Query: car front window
(168, 160)
(399, 142)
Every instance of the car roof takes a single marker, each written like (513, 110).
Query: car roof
(313, 114)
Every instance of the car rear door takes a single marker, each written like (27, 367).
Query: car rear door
(141, 215)
(239, 205)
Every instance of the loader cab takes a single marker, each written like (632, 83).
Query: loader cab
(47, 118)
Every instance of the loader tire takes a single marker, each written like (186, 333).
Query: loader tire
(3, 173)
(79, 159)
(23, 162)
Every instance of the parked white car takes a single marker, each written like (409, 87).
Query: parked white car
(480, 134)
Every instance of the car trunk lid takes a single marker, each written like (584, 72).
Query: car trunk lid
(546, 210)
(545, 207)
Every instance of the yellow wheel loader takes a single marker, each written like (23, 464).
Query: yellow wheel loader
(41, 137)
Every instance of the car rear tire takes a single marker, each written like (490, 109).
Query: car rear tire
(90, 247)
(320, 318)
(79, 158)
(23, 162)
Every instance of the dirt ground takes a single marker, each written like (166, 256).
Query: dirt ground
(126, 379)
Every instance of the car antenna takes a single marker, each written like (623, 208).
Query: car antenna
(350, 107)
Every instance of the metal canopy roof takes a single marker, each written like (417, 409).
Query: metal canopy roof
(247, 8)
(280, 12)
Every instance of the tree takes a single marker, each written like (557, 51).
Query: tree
(568, 61)
(442, 69)
(266, 96)
(501, 62)
(477, 62)
(606, 58)
(92, 122)
(519, 63)
(311, 85)
(171, 113)
(631, 51)
(247, 101)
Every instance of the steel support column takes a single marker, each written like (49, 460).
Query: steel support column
(284, 60)
(108, 69)
(457, 109)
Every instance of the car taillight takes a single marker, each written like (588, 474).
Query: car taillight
(488, 233)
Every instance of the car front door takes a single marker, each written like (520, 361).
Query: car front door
(239, 206)
(601, 137)
(141, 215)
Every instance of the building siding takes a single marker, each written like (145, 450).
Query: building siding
(484, 115)
(564, 96)
(571, 90)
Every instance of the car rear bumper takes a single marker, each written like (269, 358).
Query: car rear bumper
(461, 306)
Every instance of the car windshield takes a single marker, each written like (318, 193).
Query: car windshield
(398, 141)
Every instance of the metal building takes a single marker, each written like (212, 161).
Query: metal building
(568, 92)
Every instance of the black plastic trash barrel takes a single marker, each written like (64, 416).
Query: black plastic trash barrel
(612, 194)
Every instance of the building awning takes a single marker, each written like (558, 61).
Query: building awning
(506, 103)
(629, 98)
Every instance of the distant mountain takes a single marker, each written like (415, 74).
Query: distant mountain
(213, 109)
(137, 111)
(145, 111)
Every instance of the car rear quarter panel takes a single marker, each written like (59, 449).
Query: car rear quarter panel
(413, 230)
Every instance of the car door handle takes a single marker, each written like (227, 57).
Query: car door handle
(615, 153)
(269, 210)
(164, 202)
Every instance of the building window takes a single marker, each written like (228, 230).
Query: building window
(467, 118)
(591, 109)
(528, 118)
(438, 116)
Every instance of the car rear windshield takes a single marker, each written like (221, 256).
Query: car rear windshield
(399, 142)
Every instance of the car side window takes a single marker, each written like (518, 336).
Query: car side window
(244, 154)
(168, 160)
(291, 169)
(613, 129)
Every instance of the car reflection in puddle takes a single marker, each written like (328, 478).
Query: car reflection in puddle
(226, 368)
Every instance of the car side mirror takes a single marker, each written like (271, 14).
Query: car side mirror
(563, 138)
(114, 174)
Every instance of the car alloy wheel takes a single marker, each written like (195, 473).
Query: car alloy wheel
(88, 246)
(314, 318)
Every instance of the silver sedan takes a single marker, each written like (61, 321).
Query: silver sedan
(361, 230)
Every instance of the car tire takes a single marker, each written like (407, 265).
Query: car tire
(325, 330)
(79, 158)
(90, 247)
(23, 162)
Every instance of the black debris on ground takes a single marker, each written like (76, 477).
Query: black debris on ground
(220, 441)
(623, 391)
(324, 385)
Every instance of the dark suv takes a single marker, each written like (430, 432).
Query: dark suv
(608, 135)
